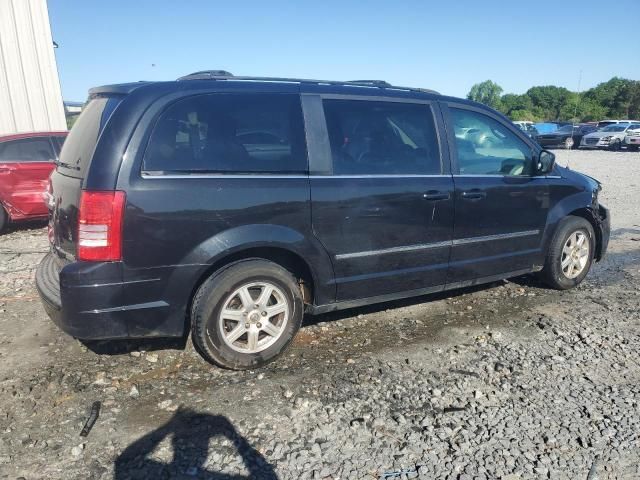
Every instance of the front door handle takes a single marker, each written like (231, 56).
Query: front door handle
(475, 194)
(435, 195)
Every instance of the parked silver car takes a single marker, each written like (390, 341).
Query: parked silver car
(610, 137)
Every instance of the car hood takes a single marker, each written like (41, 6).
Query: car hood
(589, 183)
(605, 134)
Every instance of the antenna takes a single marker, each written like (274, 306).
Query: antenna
(573, 123)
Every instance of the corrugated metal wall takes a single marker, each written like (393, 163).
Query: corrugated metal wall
(30, 96)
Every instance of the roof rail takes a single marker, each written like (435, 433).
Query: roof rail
(224, 75)
(207, 74)
(372, 83)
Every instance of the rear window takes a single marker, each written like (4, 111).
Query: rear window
(27, 150)
(81, 142)
(229, 133)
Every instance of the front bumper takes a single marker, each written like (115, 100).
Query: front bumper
(601, 143)
(90, 301)
(551, 142)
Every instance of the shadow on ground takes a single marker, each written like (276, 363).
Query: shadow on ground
(25, 226)
(405, 302)
(121, 347)
(190, 433)
(613, 262)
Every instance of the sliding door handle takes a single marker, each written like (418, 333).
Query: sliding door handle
(434, 195)
(475, 194)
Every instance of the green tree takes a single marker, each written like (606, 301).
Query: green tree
(549, 99)
(71, 120)
(487, 92)
(615, 98)
(634, 100)
(522, 114)
(510, 103)
(620, 97)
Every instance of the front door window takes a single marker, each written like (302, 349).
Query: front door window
(487, 147)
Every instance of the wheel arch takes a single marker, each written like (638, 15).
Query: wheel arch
(579, 206)
(301, 254)
(590, 216)
(284, 257)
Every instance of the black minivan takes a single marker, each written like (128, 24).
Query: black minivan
(230, 206)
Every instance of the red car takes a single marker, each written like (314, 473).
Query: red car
(26, 161)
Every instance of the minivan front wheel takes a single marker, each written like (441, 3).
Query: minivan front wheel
(570, 254)
(246, 314)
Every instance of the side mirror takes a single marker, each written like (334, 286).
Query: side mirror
(545, 163)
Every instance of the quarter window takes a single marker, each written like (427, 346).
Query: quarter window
(487, 147)
(229, 133)
(392, 138)
(27, 150)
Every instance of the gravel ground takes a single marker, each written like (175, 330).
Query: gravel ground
(509, 380)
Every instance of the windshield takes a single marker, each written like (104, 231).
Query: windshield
(566, 129)
(614, 128)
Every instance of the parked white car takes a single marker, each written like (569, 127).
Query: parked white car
(611, 137)
(632, 140)
(605, 123)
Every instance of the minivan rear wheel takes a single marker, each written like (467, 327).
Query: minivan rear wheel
(570, 254)
(246, 314)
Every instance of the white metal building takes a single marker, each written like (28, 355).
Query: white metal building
(30, 96)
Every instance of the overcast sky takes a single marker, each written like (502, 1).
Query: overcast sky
(444, 45)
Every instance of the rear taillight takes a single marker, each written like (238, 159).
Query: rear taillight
(100, 226)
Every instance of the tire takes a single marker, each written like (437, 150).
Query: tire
(554, 273)
(221, 307)
(569, 143)
(633, 148)
(616, 145)
(4, 219)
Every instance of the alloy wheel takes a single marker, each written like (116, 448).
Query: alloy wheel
(575, 254)
(253, 317)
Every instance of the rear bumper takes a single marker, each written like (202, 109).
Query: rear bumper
(90, 301)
